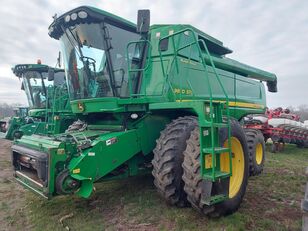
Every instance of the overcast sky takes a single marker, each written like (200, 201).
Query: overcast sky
(271, 35)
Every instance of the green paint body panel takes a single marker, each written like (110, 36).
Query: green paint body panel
(177, 80)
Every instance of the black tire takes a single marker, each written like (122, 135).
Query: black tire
(192, 176)
(168, 158)
(255, 137)
(17, 134)
(300, 144)
(60, 181)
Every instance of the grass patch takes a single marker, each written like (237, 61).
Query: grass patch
(272, 202)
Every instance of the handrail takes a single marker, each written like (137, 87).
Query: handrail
(227, 100)
(57, 104)
(149, 47)
(201, 56)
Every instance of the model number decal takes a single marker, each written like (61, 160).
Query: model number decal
(111, 141)
(182, 91)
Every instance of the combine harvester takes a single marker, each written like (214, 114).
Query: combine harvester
(49, 109)
(161, 99)
(9, 125)
(281, 127)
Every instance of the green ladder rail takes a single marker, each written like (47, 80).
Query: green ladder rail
(210, 122)
(59, 103)
(49, 109)
(141, 69)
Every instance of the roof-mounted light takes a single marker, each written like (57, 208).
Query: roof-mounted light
(82, 14)
(74, 16)
(50, 30)
(67, 18)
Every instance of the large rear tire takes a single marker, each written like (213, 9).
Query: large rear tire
(256, 148)
(168, 159)
(238, 180)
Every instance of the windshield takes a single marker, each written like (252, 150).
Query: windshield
(35, 88)
(95, 61)
(23, 112)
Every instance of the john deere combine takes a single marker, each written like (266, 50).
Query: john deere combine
(49, 108)
(10, 125)
(161, 99)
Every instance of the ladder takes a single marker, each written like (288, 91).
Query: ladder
(215, 182)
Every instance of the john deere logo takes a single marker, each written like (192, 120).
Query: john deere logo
(80, 106)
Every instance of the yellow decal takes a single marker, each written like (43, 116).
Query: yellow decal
(231, 103)
(56, 117)
(182, 91)
(77, 170)
(60, 151)
(183, 100)
(242, 104)
(188, 61)
(248, 105)
(80, 106)
(208, 161)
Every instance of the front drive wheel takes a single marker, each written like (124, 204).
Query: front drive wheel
(238, 180)
(168, 159)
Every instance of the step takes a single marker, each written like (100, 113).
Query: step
(217, 174)
(215, 125)
(216, 150)
(214, 199)
(220, 125)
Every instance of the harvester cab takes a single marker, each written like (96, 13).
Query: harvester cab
(35, 84)
(161, 99)
(21, 112)
(47, 97)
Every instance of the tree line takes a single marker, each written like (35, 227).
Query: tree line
(301, 110)
(7, 110)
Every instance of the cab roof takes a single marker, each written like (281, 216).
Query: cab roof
(20, 69)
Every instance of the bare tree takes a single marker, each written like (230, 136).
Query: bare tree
(7, 110)
(301, 110)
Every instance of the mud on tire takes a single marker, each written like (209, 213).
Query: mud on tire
(192, 175)
(168, 158)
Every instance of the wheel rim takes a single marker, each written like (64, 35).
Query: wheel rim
(238, 165)
(259, 153)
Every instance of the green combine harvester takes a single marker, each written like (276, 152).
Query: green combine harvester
(9, 125)
(163, 99)
(18, 119)
(49, 108)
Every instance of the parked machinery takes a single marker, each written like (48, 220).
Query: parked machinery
(49, 109)
(281, 126)
(161, 99)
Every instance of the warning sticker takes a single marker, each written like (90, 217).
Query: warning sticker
(111, 141)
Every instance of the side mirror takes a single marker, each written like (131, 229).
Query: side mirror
(143, 21)
(59, 59)
(272, 86)
(59, 79)
(51, 74)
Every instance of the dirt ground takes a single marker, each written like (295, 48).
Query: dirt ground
(272, 202)
(12, 195)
